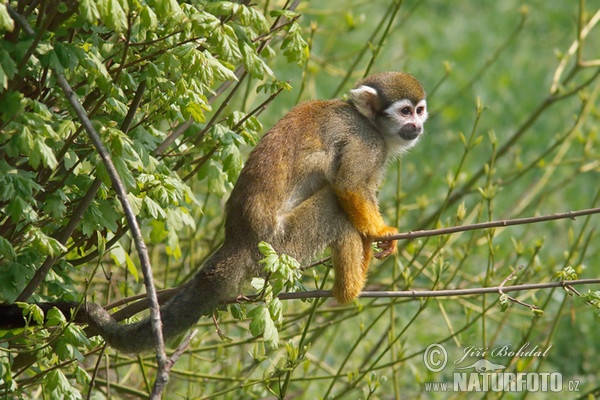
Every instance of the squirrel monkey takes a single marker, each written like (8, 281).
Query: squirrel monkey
(311, 182)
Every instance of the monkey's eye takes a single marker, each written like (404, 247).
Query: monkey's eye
(406, 111)
(420, 110)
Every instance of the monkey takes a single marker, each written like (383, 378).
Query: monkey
(311, 182)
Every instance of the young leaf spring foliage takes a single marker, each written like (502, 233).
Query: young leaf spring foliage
(283, 273)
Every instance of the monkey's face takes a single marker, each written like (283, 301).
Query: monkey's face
(395, 103)
(402, 122)
(405, 118)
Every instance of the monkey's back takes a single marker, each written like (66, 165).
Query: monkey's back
(297, 157)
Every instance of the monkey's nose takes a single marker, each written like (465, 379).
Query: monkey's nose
(410, 131)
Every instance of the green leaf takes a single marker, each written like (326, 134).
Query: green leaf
(45, 244)
(262, 324)
(287, 14)
(6, 249)
(503, 300)
(6, 22)
(237, 311)
(169, 9)
(100, 215)
(10, 102)
(131, 267)
(24, 140)
(13, 278)
(3, 79)
(227, 44)
(67, 55)
(266, 249)
(249, 16)
(149, 19)
(172, 248)
(88, 10)
(276, 310)
(124, 172)
(19, 210)
(284, 271)
(55, 205)
(57, 386)
(115, 15)
(294, 46)
(216, 178)
(117, 106)
(257, 283)
(258, 316)
(135, 202)
(232, 162)
(253, 63)
(55, 318)
(81, 376)
(196, 111)
(566, 274)
(153, 208)
(42, 153)
(217, 70)
(32, 312)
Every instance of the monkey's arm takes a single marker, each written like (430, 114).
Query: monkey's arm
(364, 214)
(356, 189)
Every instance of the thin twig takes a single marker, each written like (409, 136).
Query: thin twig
(492, 224)
(511, 275)
(419, 294)
(185, 343)
(514, 300)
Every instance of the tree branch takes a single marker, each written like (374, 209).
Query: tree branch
(162, 375)
(418, 294)
(492, 224)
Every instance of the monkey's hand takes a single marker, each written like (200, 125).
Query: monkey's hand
(388, 247)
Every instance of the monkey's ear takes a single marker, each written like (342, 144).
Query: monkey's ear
(366, 100)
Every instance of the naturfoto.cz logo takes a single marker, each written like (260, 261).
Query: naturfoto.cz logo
(483, 375)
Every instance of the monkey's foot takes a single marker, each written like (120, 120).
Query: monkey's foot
(388, 247)
(240, 298)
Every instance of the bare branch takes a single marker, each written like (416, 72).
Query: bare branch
(419, 294)
(493, 224)
(136, 233)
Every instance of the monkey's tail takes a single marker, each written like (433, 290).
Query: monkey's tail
(221, 279)
(11, 315)
(196, 298)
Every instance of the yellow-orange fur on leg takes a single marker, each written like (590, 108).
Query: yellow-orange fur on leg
(367, 220)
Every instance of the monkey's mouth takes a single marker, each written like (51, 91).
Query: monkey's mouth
(409, 133)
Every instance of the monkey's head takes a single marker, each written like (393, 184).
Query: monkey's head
(395, 103)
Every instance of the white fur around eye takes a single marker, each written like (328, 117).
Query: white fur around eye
(397, 106)
(423, 115)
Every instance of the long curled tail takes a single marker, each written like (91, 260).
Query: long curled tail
(221, 279)
(11, 315)
(196, 298)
